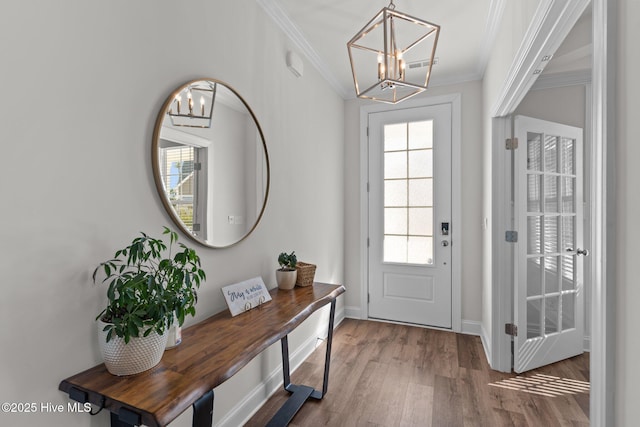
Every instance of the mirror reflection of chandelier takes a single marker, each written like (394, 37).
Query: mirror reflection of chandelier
(392, 56)
(182, 110)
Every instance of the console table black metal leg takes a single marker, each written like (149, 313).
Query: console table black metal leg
(203, 411)
(300, 393)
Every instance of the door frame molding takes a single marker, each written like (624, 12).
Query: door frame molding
(455, 100)
(603, 240)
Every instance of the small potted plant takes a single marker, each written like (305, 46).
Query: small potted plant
(286, 275)
(148, 290)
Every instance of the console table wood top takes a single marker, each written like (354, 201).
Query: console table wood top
(211, 352)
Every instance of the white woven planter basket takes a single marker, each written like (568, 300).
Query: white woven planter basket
(139, 355)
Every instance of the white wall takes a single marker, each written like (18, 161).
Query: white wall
(471, 147)
(82, 83)
(627, 206)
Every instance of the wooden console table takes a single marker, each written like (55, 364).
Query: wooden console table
(210, 353)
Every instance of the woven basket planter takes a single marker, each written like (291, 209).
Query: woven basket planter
(306, 273)
(140, 354)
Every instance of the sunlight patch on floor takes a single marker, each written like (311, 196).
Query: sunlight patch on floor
(544, 385)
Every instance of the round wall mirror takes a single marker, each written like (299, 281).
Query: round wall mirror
(210, 163)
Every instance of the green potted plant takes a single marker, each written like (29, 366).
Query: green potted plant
(149, 289)
(286, 275)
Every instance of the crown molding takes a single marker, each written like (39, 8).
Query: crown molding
(291, 30)
(494, 18)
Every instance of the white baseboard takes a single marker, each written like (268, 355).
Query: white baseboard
(353, 313)
(471, 327)
(246, 408)
(485, 343)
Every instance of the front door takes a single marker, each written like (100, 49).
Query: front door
(549, 290)
(410, 229)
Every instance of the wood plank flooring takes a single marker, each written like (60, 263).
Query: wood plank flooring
(385, 374)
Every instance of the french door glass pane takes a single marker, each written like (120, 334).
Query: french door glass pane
(568, 277)
(534, 318)
(534, 152)
(550, 154)
(568, 154)
(550, 193)
(551, 276)
(551, 311)
(551, 234)
(568, 311)
(534, 276)
(534, 193)
(534, 235)
(408, 192)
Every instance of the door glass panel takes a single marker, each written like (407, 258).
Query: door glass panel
(395, 137)
(420, 250)
(421, 134)
(551, 234)
(421, 222)
(534, 235)
(550, 154)
(420, 164)
(395, 248)
(395, 192)
(568, 277)
(568, 233)
(534, 276)
(408, 192)
(568, 311)
(534, 318)
(395, 165)
(534, 152)
(551, 311)
(550, 193)
(568, 191)
(551, 277)
(421, 192)
(568, 155)
(395, 221)
(534, 193)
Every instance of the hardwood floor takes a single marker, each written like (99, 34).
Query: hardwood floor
(384, 374)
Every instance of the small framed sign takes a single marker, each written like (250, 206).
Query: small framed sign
(244, 296)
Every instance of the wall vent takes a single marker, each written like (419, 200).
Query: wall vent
(422, 63)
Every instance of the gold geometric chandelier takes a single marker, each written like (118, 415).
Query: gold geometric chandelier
(188, 114)
(392, 56)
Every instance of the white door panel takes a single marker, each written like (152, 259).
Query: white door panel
(548, 294)
(409, 200)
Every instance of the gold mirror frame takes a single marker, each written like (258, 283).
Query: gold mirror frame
(169, 108)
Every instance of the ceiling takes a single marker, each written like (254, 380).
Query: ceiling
(320, 30)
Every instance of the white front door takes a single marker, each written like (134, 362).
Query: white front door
(549, 289)
(410, 229)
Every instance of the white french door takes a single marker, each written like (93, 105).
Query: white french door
(549, 289)
(410, 225)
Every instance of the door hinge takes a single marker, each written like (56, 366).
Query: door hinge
(511, 236)
(511, 329)
(511, 143)
(368, 242)
(368, 298)
(197, 166)
(367, 187)
(195, 227)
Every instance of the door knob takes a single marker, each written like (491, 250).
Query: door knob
(584, 252)
(445, 243)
